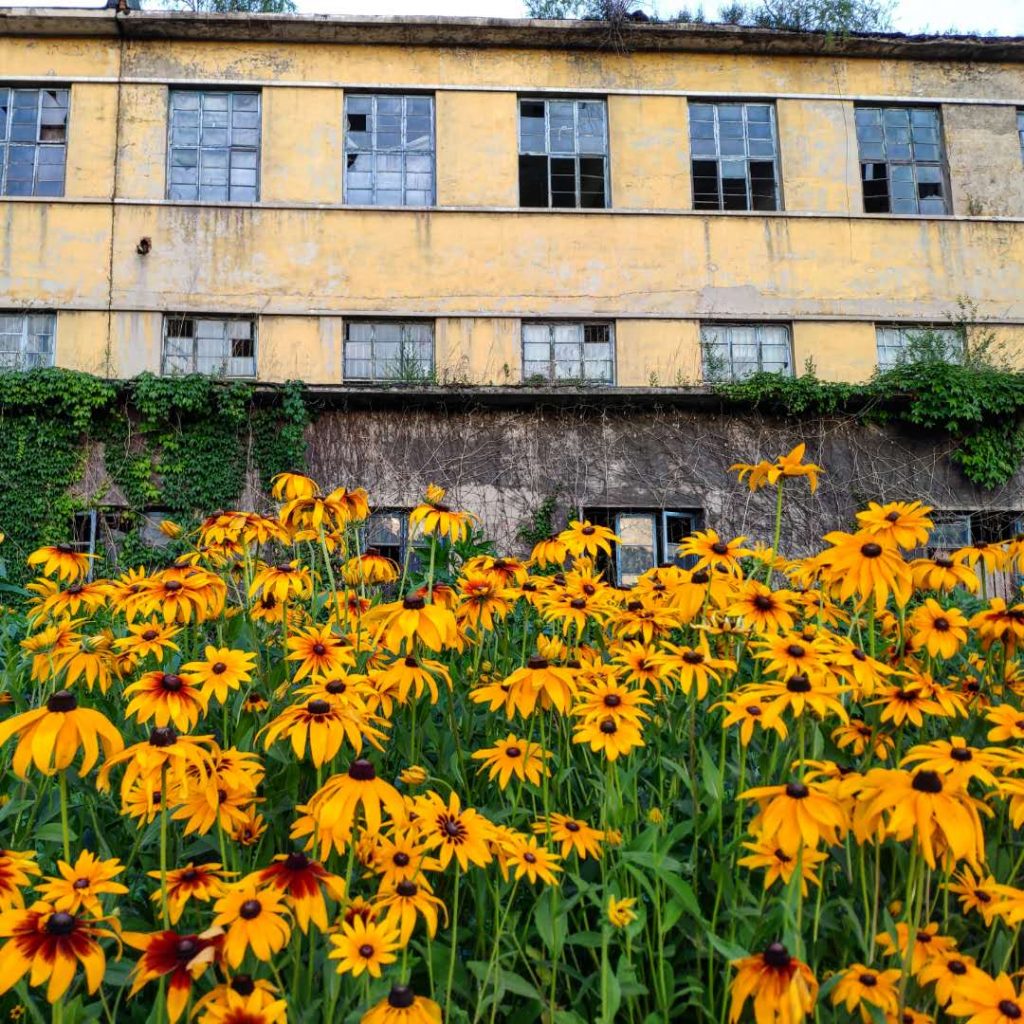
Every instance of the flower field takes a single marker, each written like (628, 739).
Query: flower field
(285, 779)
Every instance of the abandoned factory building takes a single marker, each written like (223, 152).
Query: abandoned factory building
(515, 256)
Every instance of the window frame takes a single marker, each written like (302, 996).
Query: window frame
(552, 378)
(169, 318)
(1020, 131)
(403, 151)
(709, 325)
(26, 315)
(406, 545)
(747, 157)
(575, 154)
(942, 163)
(202, 92)
(659, 517)
(403, 322)
(38, 143)
(905, 329)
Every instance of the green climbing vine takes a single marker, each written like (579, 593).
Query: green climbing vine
(976, 399)
(184, 445)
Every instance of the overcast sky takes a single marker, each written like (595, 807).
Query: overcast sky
(1003, 16)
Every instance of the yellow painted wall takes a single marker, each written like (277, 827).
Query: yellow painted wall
(302, 145)
(81, 343)
(839, 350)
(142, 145)
(818, 149)
(657, 353)
(299, 348)
(478, 350)
(650, 152)
(984, 154)
(92, 131)
(477, 160)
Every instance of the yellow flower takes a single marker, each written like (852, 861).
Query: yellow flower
(940, 631)
(783, 988)
(80, 885)
(620, 911)
(364, 946)
(253, 919)
(414, 775)
(402, 1006)
(513, 756)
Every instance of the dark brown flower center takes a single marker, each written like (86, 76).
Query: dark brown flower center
(777, 956)
(218, 668)
(361, 770)
(171, 683)
(189, 875)
(164, 736)
(296, 861)
(927, 782)
(186, 948)
(319, 650)
(63, 701)
(60, 923)
(800, 683)
(693, 657)
(940, 624)
(612, 700)
(250, 909)
(720, 547)
(588, 530)
(318, 707)
(944, 563)
(536, 662)
(961, 754)
(796, 650)
(797, 791)
(572, 826)
(893, 517)
(578, 603)
(173, 586)
(414, 602)
(401, 859)
(513, 752)
(608, 727)
(407, 889)
(336, 686)
(366, 951)
(754, 711)
(763, 602)
(243, 984)
(957, 967)
(868, 979)
(700, 577)
(871, 549)
(859, 654)
(401, 997)
(530, 858)
(150, 634)
(80, 883)
(1009, 1008)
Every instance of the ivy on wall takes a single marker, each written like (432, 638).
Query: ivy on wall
(181, 444)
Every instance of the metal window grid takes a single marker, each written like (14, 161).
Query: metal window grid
(213, 150)
(389, 161)
(33, 141)
(735, 351)
(26, 340)
(892, 341)
(574, 134)
(1020, 130)
(739, 138)
(217, 346)
(569, 352)
(902, 162)
(388, 350)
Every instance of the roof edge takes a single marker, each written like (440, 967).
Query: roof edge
(499, 32)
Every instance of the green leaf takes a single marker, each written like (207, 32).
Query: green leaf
(551, 922)
(727, 949)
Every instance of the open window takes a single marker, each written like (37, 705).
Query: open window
(647, 538)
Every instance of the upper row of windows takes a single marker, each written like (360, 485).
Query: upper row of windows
(213, 152)
(403, 350)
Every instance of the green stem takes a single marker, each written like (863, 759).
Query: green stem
(454, 949)
(65, 831)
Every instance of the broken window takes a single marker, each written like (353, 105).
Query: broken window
(647, 538)
(33, 141)
(734, 156)
(26, 340)
(214, 146)
(99, 532)
(901, 160)
(389, 150)
(735, 351)
(218, 346)
(555, 352)
(389, 350)
(387, 532)
(563, 154)
(903, 343)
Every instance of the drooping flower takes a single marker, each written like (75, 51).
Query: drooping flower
(180, 958)
(62, 561)
(402, 1006)
(783, 989)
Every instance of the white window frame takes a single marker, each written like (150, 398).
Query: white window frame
(382, 374)
(895, 338)
(576, 153)
(661, 549)
(40, 146)
(707, 342)
(552, 342)
(399, 155)
(231, 366)
(28, 356)
(237, 156)
(746, 156)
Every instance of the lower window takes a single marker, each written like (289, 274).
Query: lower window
(389, 350)
(26, 340)
(387, 532)
(554, 352)
(736, 351)
(647, 538)
(217, 346)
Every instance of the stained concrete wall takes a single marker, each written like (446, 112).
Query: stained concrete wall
(986, 168)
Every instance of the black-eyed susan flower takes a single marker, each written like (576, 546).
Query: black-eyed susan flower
(797, 814)
(221, 671)
(400, 857)
(413, 676)
(783, 989)
(252, 918)
(325, 724)
(621, 913)
(433, 518)
(483, 600)
(404, 903)
(905, 523)
(954, 758)
(181, 958)
(166, 698)
(790, 654)
(583, 539)
(402, 1006)
(287, 581)
(940, 631)
(50, 736)
(528, 859)
(860, 737)
(15, 868)
(62, 561)
(417, 619)
(946, 972)
(928, 944)
(152, 638)
(319, 652)
(243, 1004)
(361, 945)
(763, 609)
(80, 885)
(514, 756)
(304, 882)
(942, 573)
(749, 713)
(976, 892)
(867, 565)
(538, 681)
(781, 864)
(983, 999)
(414, 775)
(200, 882)
(908, 703)
(551, 551)
(453, 831)
(609, 736)
(860, 988)
(711, 552)
(575, 836)
(368, 569)
(48, 945)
